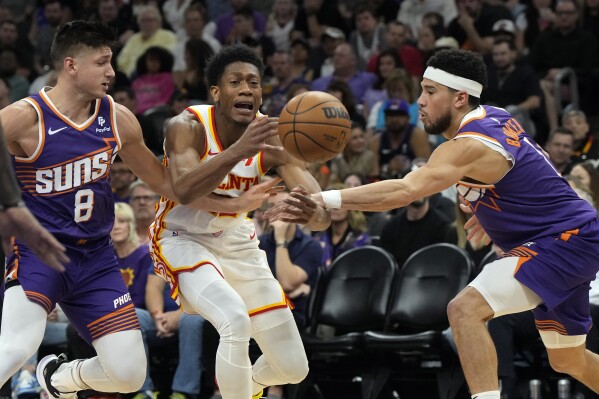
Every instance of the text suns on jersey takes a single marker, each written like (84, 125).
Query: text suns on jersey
(73, 174)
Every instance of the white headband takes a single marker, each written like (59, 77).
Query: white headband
(455, 82)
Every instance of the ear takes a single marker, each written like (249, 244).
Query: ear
(461, 99)
(70, 65)
(215, 93)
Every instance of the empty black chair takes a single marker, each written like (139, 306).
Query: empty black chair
(413, 338)
(352, 297)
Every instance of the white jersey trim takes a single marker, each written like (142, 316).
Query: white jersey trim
(40, 128)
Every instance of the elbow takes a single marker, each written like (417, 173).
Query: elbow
(183, 196)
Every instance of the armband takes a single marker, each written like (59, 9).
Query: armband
(331, 199)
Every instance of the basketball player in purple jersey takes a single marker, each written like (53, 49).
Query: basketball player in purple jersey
(17, 220)
(549, 234)
(63, 140)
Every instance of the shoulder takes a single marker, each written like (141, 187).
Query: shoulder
(17, 117)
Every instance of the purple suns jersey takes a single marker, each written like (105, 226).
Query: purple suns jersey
(65, 181)
(532, 200)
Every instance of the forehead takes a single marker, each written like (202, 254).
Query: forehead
(427, 83)
(241, 68)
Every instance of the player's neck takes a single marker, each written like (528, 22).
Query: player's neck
(456, 121)
(227, 130)
(71, 103)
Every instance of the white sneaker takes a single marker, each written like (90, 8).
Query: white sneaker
(45, 368)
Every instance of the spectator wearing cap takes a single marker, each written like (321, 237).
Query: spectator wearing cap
(400, 142)
(322, 55)
(586, 142)
(566, 45)
(513, 86)
(507, 29)
(411, 12)
(472, 28)
(280, 23)
(226, 24)
(368, 37)
(345, 62)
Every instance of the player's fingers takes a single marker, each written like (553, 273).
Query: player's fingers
(273, 119)
(268, 147)
(300, 198)
(274, 190)
(471, 222)
(465, 208)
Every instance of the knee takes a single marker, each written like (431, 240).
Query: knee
(567, 363)
(295, 372)
(127, 373)
(457, 311)
(468, 306)
(236, 326)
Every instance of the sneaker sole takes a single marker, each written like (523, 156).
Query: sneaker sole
(39, 371)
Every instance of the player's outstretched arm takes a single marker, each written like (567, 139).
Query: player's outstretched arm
(134, 152)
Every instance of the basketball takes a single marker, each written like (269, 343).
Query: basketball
(314, 126)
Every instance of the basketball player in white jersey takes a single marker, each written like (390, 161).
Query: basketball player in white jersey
(211, 258)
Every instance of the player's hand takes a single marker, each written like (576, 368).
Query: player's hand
(299, 207)
(476, 233)
(19, 222)
(255, 136)
(255, 196)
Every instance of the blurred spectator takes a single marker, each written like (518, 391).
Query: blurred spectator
(174, 15)
(416, 226)
(143, 201)
(368, 38)
(121, 178)
(539, 17)
(193, 81)
(400, 142)
(225, 31)
(275, 91)
(399, 85)
(427, 39)
(473, 26)
(111, 14)
(43, 36)
(586, 143)
(564, 46)
(506, 29)
(511, 85)
(347, 231)
(398, 37)
(313, 18)
(589, 177)
(280, 23)
(9, 65)
(243, 22)
(9, 37)
(300, 55)
(150, 34)
(560, 147)
(356, 157)
(345, 62)
(154, 84)
(411, 12)
(322, 55)
(343, 93)
(195, 24)
(387, 62)
(296, 89)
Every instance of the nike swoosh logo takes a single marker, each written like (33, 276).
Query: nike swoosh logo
(253, 235)
(213, 153)
(51, 132)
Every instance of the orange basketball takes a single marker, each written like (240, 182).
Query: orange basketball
(314, 126)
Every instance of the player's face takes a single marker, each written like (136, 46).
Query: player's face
(92, 70)
(434, 107)
(239, 93)
(120, 230)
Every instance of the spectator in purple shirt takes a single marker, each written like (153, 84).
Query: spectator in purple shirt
(225, 24)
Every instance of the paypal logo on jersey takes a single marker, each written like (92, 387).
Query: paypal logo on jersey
(73, 174)
(102, 128)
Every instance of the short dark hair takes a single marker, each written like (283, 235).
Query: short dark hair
(560, 130)
(228, 55)
(364, 7)
(246, 12)
(125, 89)
(507, 40)
(463, 63)
(73, 35)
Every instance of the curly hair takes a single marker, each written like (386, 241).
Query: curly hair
(217, 64)
(465, 64)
